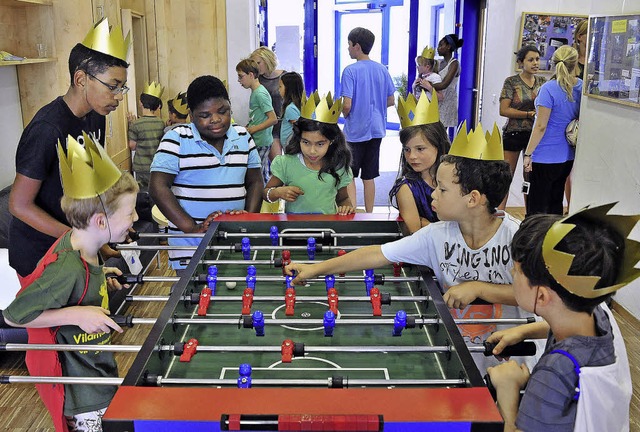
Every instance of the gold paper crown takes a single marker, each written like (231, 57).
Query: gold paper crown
(414, 112)
(87, 171)
(101, 38)
(324, 110)
(428, 53)
(478, 145)
(179, 103)
(558, 263)
(153, 89)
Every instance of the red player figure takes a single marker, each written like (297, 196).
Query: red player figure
(332, 297)
(205, 299)
(287, 351)
(375, 301)
(397, 268)
(247, 301)
(289, 301)
(286, 260)
(340, 253)
(189, 350)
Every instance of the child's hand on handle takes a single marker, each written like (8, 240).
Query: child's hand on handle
(345, 210)
(505, 338)
(302, 272)
(112, 282)
(289, 193)
(93, 319)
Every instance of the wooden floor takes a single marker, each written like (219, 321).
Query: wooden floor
(22, 410)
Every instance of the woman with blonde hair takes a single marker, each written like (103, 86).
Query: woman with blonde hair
(269, 77)
(548, 157)
(580, 44)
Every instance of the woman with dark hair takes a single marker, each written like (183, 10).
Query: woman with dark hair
(548, 157)
(450, 72)
(517, 104)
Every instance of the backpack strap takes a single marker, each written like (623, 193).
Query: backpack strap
(576, 368)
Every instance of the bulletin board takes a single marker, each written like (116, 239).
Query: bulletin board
(547, 33)
(613, 62)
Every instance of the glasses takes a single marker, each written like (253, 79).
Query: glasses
(112, 88)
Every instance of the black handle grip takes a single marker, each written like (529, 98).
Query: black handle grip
(519, 349)
(492, 389)
(123, 320)
(126, 278)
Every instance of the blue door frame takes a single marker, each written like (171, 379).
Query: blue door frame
(468, 12)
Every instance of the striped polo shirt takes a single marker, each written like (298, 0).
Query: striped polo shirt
(206, 180)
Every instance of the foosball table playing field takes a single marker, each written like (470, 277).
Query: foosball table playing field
(237, 348)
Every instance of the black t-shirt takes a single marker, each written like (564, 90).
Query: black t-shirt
(37, 158)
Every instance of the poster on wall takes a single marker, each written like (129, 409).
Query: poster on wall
(548, 33)
(613, 59)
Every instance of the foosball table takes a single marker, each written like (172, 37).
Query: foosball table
(237, 348)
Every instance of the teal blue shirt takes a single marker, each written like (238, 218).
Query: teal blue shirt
(291, 113)
(259, 105)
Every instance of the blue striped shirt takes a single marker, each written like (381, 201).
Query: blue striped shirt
(206, 180)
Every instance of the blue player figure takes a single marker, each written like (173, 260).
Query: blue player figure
(246, 248)
(330, 281)
(329, 323)
(288, 280)
(369, 280)
(274, 236)
(399, 323)
(244, 380)
(251, 277)
(258, 322)
(311, 248)
(212, 279)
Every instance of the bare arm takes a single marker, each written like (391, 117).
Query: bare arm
(254, 185)
(91, 319)
(160, 190)
(451, 73)
(271, 120)
(342, 198)
(507, 111)
(391, 101)
(22, 205)
(133, 145)
(408, 209)
(367, 257)
(346, 106)
(539, 128)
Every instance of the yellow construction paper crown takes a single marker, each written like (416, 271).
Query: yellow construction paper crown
(414, 112)
(179, 103)
(428, 53)
(558, 263)
(153, 89)
(87, 171)
(324, 110)
(478, 145)
(108, 41)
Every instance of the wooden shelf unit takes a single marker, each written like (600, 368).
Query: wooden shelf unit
(27, 61)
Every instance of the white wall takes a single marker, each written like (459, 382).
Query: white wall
(241, 41)
(11, 116)
(607, 165)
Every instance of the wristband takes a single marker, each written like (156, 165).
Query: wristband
(527, 155)
(268, 197)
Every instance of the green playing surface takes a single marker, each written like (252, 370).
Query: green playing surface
(380, 364)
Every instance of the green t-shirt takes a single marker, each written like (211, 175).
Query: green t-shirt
(259, 105)
(147, 133)
(61, 285)
(319, 195)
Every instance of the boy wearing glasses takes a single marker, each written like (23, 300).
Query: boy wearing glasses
(98, 70)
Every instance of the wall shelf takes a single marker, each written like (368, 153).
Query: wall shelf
(27, 61)
(20, 3)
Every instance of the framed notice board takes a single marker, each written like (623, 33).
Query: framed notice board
(613, 62)
(547, 32)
